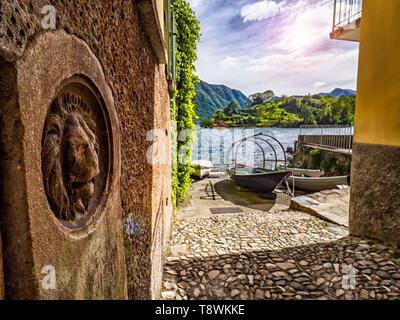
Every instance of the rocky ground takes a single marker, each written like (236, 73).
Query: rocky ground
(275, 255)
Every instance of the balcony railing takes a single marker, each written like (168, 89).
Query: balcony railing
(323, 130)
(346, 20)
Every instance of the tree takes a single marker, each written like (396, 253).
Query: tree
(261, 111)
(219, 115)
(231, 108)
(262, 97)
(307, 115)
(316, 96)
(207, 123)
(256, 98)
(236, 118)
(269, 95)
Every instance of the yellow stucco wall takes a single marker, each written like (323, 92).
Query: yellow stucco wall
(377, 119)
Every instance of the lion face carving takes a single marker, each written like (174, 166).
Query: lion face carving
(70, 160)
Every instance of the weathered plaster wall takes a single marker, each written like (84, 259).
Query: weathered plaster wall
(113, 31)
(374, 204)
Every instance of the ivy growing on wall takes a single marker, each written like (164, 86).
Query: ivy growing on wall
(182, 106)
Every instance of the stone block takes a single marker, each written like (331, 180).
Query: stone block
(374, 198)
(66, 237)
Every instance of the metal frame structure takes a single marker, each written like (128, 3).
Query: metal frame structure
(257, 139)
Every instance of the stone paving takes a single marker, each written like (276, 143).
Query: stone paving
(275, 255)
(330, 205)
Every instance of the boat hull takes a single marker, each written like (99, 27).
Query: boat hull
(305, 172)
(201, 173)
(260, 183)
(317, 184)
(201, 168)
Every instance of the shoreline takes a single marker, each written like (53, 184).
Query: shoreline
(248, 127)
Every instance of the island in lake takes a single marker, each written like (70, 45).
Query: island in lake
(267, 110)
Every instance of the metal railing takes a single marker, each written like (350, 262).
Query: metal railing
(330, 136)
(326, 130)
(346, 12)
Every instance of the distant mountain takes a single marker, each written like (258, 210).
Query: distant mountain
(211, 97)
(340, 92)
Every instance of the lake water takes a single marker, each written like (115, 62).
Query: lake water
(214, 144)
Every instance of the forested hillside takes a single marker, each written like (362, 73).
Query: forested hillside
(265, 110)
(211, 97)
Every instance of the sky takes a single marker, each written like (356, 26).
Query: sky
(282, 45)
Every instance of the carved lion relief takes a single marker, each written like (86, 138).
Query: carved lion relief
(73, 174)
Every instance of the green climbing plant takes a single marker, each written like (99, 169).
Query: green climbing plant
(182, 106)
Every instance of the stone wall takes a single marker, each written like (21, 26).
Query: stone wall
(162, 207)
(374, 202)
(333, 163)
(1, 272)
(375, 184)
(110, 36)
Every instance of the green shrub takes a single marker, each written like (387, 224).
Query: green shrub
(182, 106)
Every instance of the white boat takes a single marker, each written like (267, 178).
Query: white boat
(202, 168)
(315, 184)
(304, 172)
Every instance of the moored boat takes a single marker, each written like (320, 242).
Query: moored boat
(202, 168)
(315, 184)
(259, 180)
(304, 172)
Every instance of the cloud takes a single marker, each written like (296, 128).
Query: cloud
(288, 73)
(302, 25)
(195, 4)
(260, 10)
(283, 46)
(319, 84)
(233, 62)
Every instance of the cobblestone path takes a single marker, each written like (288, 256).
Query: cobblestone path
(275, 255)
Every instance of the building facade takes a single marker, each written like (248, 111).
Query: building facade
(375, 184)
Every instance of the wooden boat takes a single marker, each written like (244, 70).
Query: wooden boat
(258, 180)
(202, 168)
(315, 184)
(304, 172)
